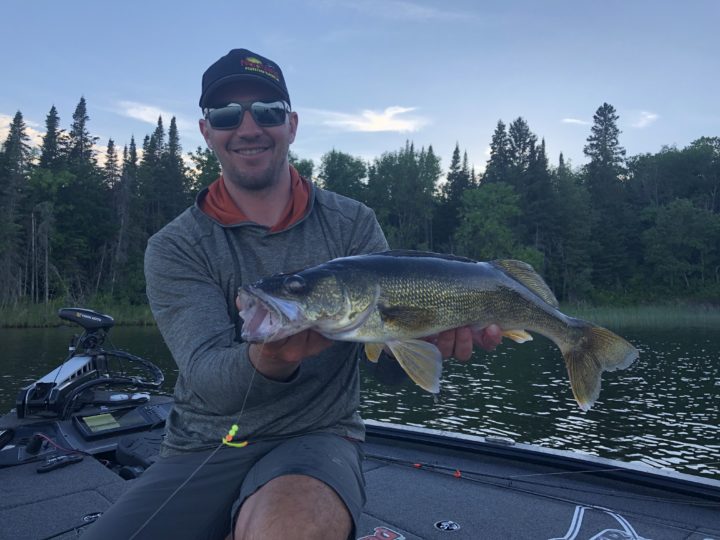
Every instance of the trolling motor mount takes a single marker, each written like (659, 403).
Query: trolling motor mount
(87, 365)
(90, 320)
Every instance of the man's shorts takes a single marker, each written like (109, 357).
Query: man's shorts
(197, 495)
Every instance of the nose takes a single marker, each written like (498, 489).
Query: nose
(248, 127)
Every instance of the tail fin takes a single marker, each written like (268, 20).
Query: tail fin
(596, 351)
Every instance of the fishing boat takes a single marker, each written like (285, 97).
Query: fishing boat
(80, 435)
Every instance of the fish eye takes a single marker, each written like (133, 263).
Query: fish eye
(295, 284)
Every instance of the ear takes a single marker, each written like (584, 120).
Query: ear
(204, 130)
(293, 126)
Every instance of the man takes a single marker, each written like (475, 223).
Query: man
(294, 401)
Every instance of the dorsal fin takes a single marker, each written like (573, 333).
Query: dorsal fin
(526, 274)
(421, 254)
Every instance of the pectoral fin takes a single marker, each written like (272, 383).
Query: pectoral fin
(518, 336)
(373, 351)
(421, 360)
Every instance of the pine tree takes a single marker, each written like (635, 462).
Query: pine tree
(538, 201)
(14, 169)
(450, 200)
(498, 166)
(603, 146)
(81, 154)
(521, 144)
(150, 180)
(83, 217)
(51, 153)
(45, 182)
(569, 270)
(176, 183)
(124, 198)
(112, 169)
(611, 219)
(430, 172)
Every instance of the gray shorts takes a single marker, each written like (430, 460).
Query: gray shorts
(176, 499)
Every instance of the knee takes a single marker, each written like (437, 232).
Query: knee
(293, 506)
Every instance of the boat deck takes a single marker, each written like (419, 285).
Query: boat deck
(422, 484)
(496, 491)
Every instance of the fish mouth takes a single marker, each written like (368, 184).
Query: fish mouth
(267, 318)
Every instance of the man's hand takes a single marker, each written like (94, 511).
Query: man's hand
(279, 360)
(458, 342)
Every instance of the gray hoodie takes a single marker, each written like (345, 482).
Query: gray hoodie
(193, 268)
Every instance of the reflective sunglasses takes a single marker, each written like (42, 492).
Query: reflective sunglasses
(231, 115)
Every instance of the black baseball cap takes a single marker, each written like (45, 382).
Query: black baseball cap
(242, 65)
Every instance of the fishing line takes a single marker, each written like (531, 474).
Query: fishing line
(215, 450)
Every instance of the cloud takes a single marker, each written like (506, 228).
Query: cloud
(372, 121)
(644, 119)
(575, 121)
(151, 113)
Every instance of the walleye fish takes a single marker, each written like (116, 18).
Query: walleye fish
(395, 297)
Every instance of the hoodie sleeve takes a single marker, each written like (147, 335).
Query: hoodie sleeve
(191, 311)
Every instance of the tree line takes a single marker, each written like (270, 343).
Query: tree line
(619, 229)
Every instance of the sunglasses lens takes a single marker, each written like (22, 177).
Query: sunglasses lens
(264, 114)
(269, 114)
(225, 117)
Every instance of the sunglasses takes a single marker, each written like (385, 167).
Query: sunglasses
(231, 115)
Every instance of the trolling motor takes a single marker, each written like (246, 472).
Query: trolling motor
(88, 364)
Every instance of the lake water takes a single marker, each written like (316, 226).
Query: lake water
(664, 411)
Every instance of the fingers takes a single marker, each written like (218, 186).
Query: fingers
(488, 338)
(456, 342)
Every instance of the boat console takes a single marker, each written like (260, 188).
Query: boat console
(97, 396)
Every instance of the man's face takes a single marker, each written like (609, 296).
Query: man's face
(253, 158)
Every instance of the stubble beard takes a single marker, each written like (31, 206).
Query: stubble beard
(259, 180)
(254, 182)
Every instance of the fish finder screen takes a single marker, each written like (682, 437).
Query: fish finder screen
(100, 422)
(111, 421)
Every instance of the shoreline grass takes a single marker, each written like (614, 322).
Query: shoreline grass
(28, 315)
(648, 316)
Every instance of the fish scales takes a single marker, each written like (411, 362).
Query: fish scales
(457, 293)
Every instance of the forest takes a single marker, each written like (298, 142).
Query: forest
(619, 230)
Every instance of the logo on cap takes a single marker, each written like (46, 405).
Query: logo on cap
(256, 65)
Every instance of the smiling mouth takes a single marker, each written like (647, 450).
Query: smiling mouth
(250, 151)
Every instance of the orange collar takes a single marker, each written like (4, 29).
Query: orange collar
(218, 203)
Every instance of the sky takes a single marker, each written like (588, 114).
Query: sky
(365, 76)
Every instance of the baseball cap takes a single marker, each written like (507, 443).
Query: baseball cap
(242, 65)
